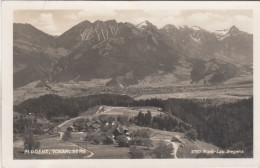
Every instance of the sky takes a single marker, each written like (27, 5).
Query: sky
(56, 22)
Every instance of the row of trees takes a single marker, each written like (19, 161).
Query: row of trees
(162, 122)
(53, 105)
(224, 125)
(23, 123)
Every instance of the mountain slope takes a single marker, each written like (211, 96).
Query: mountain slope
(126, 54)
(34, 53)
(225, 51)
(115, 50)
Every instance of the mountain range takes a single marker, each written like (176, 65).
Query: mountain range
(126, 53)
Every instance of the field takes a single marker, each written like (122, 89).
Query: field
(163, 87)
(182, 151)
(49, 143)
(128, 111)
(109, 110)
(230, 91)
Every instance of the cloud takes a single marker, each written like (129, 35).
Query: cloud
(45, 22)
(244, 22)
(90, 14)
(243, 18)
(204, 16)
(55, 22)
(219, 25)
(51, 27)
(46, 18)
(198, 17)
(72, 16)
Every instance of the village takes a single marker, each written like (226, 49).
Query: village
(112, 132)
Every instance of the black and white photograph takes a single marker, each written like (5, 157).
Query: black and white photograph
(125, 83)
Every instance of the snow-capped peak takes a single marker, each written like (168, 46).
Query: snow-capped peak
(143, 24)
(196, 28)
(232, 31)
(222, 32)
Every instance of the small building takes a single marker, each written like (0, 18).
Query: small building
(120, 130)
(160, 109)
(176, 138)
(72, 128)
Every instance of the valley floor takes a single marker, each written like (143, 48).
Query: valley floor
(229, 91)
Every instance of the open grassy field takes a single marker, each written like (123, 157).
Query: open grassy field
(182, 151)
(109, 110)
(128, 111)
(225, 93)
(108, 151)
(163, 86)
(52, 144)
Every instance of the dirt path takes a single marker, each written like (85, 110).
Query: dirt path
(175, 148)
(61, 134)
(72, 119)
(174, 144)
(65, 122)
(107, 110)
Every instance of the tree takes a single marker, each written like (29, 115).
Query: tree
(123, 119)
(163, 150)
(107, 140)
(66, 136)
(136, 153)
(148, 143)
(148, 118)
(192, 134)
(140, 118)
(30, 143)
(122, 141)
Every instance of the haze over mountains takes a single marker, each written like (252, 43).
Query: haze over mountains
(127, 53)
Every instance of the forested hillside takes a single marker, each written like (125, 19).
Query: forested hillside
(52, 105)
(228, 126)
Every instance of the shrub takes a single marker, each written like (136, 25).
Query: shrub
(136, 153)
(148, 143)
(97, 139)
(163, 150)
(192, 134)
(66, 136)
(30, 143)
(122, 141)
(108, 141)
(144, 133)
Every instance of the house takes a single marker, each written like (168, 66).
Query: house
(176, 138)
(92, 126)
(120, 130)
(96, 126)
(160, 109)
(72, 128)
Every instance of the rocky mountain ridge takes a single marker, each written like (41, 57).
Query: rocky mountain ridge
(127, 53)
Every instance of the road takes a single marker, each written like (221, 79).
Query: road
(65, 122)
(107, 110)
(175, 148)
